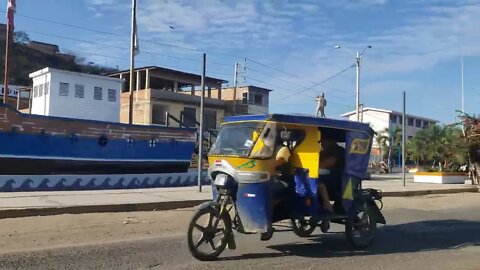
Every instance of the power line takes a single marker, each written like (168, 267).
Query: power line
(319, 83)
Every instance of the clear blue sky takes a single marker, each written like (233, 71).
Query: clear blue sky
(416, 46)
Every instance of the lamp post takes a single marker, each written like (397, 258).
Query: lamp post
(358, 60)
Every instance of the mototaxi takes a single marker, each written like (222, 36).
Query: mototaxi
(242, 172)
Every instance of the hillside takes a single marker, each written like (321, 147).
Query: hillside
(24, 60)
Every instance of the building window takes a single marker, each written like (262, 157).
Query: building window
(79, 91)
(258, 100)
(47, 87)
(35, 91)
(189, 116)
(410, 121)
(63, 90)
(418, 123)
(112, 95)
(410, 137)
(400, 119)
(393, 118)
(251, 98)
(245, 98)
(40, 90)
(97, 93)
(159, 114)
(210, 119)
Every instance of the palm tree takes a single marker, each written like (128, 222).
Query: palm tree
(388, 146)
(442, 145)
(381, 139)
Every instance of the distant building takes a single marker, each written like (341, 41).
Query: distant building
(75, 95)
(14, 90)
(165, 96)
(386, 120)
(44, 47)
(248, 99)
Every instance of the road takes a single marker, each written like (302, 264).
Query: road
(429, 232)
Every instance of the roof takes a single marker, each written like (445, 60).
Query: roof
(390, 112)
(44, 43)
(256, 88)
(171, 72)
(72, 73)
(250, 87)
(305, 120)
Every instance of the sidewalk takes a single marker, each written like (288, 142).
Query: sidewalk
(21, 204)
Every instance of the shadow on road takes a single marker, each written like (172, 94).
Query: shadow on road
(403, 238)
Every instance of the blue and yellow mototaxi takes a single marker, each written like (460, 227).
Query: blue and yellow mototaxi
(242, 171)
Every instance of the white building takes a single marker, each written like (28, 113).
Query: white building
(381, 120)
(75, 95)
(13, 91)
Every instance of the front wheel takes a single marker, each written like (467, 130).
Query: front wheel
(208, 234)
(361, 227)
(303, 227)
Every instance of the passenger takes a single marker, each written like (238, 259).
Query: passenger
(332, 165)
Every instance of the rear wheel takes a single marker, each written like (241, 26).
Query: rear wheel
(208, 234)
(361, 227)
(303, 227)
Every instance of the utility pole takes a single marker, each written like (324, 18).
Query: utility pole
(200, 132)
(403, 138)
(463, 96)
(235, 81)
(358, 62)
(11, 6)
(357, 92)
(132, 61)
(361, 112)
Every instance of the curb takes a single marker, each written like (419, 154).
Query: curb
(160, 206)
(85, 209)
(408, 193)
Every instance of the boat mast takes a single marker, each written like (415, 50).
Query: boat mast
(132, 60)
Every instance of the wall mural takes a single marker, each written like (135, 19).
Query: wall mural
(17, 183)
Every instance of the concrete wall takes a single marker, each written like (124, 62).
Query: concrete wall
(53, 104)
(377, 120)
(41, 103)
(143, 109)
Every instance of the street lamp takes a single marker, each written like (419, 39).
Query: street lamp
(358, 58)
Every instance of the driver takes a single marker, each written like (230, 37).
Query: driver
(280, 184)
(282, 168)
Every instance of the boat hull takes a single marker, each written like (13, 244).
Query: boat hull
(31, 166)
(42, 145)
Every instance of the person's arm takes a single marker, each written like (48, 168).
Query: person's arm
(282, 156)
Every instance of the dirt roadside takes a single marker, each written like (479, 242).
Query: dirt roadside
(30, 233)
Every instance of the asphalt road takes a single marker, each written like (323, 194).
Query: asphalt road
(420, 235)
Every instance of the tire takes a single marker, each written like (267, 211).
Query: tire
(364, 224)
(209, 234)
(303, 227)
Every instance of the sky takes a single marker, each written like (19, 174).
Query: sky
(287, 46)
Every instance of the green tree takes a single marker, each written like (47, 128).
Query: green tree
(21, 37)
(439, 145)
(389, 145)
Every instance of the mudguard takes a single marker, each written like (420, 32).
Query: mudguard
(377, 215)
(208, 204)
